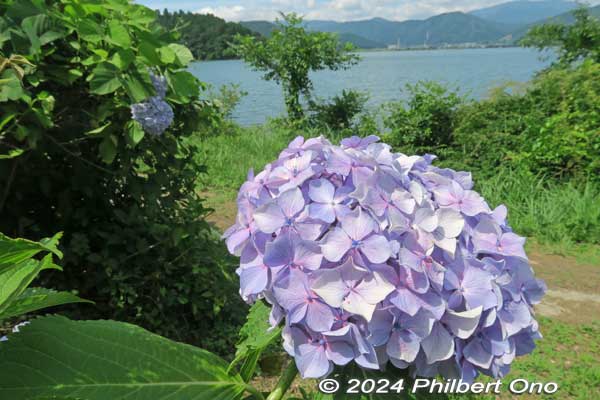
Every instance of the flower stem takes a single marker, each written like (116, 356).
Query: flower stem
(285, 382)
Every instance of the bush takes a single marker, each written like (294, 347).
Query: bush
(551, 129)
(340, 113)
(567, 145)
(123, 193)
(489, 132)
(425, 122)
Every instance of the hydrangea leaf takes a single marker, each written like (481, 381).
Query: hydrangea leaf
(51, 358)
(255, 336)
(33, 299)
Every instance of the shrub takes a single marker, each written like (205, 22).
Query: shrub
(123, 191)
(425, 122)
(489, 132)
(340, 113)
(567, 144)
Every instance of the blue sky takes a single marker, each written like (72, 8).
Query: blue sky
(339, 10)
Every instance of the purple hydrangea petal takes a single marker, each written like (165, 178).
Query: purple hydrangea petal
(439, 345)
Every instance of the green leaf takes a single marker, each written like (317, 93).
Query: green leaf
(89, 31)
(31, 26)
(118, 35)
(14, 280)
(148, 53)
(108, 149)
(98, 130)
(167, 55)
(11, 88)
(12, 154)
(105, 79)
(122, 59)
(183, 55)
(255, 336)
(184, 84)
(99, 360)
(16, 251)
(137, 86)
(135, 133)
(33, 299)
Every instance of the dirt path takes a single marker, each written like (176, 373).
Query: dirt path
(573, 287)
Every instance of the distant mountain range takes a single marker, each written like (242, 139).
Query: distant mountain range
(524, 12)
(501, 24)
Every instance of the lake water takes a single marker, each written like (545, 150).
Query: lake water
(382, 74)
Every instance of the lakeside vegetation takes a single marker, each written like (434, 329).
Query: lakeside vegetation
(129, 196)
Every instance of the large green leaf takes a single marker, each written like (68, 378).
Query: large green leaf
(118, 35)
(184, 84)
(100, 360)
(14, 280)
(34, 299)
(105, 79)
(11, 88)
(255, 336)
(15, 251)
(183, 55)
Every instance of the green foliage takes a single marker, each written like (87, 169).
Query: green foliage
(340, 113)
(558, 213)
(255, 336)
(567, 142)
(135, 240)
(575, 42)
(290, 54)
(227, 99)
(487, 133)
(18, 268)
(228, 158)
(123, 360)
(425, 121)
(207, 36)
(551, 129)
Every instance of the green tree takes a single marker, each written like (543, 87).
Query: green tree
(575, 42)
(290, 54)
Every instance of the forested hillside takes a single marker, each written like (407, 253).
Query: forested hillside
(207, 36)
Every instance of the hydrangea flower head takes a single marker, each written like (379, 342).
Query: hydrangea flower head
(160, 84)
(155, 114)
(376, 257)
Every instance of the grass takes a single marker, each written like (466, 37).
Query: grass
(568, 355)
(560, 214)
(230, 157)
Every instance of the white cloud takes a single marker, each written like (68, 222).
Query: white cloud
(239, 13)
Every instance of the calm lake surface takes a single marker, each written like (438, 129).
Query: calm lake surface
(382, 75)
